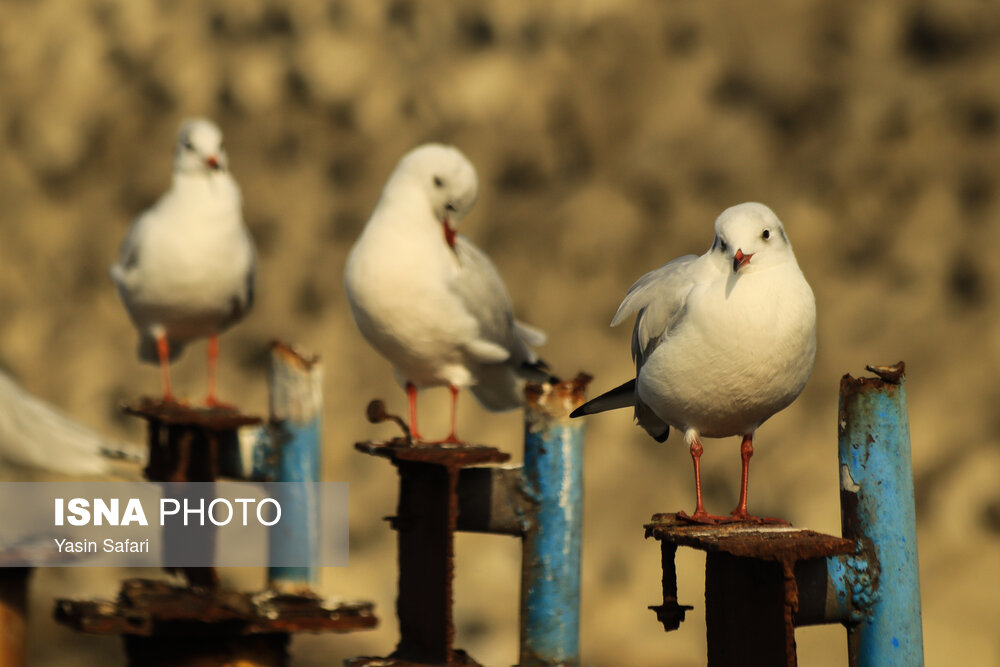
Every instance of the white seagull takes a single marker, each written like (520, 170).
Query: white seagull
(429, 300)
(721, 342)
(186, 268)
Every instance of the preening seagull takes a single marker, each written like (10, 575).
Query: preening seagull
(429, 300)
(186, 268)
(721, 341)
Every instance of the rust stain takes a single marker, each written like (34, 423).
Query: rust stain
(781, 544)
(443, 454)
(568, 394)
(151, 608)
(294, 355)
(888, 379)
(213, 419)
(774, 543)
(426, 520)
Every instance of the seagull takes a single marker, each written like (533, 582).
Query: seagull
(429, 300)
(186, 268)
(36, 435)
(721, 341)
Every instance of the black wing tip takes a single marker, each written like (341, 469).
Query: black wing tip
(662, 438)
(538, 371)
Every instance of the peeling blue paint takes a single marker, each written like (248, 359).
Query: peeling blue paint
(878, 512)
(550, 593)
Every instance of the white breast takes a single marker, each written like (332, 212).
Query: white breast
(743, 351)
(397, 287)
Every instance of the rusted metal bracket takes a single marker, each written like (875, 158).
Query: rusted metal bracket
(425, 523)
(201, 624)
(442, 490)
(751, 588)
(168, 625)
(186, 445)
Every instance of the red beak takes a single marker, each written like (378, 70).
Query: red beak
(739, 259)
(449, 233)
(212, 162)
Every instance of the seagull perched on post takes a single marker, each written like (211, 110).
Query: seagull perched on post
(429, 300)
(721, 341)
(186, 268)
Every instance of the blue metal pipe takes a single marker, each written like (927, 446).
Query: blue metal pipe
(877, 510)
(552, 480)
(290, 452)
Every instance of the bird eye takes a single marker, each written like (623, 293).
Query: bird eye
(188, 146)
(438, 182)
(766, 235)
(722, 245)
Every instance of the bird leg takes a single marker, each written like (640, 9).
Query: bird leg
(741, 513)
(213, 361)
(696, 452)
(163, 351)
(452, 437)
(746, 451)
(411, 392)
(700, 515)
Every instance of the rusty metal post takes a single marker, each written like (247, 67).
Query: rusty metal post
(751, 591)
(552, 479)
(442, 491)
(291, 453)
(877, 510)
(163, 624)
(425, 524)
(202, 624)
(14, 615)
(185, 445)
(745, 612)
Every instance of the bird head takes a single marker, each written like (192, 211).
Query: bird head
(199, 148)
(749, 237)
(447, 179)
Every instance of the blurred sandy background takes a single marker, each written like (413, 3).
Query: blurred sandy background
(608, 134)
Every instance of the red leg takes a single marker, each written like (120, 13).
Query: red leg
(696, 452)
(213, 362)
(411, 392)
(452, 436)
(700, 515)
(741, 513)
(746, 451)
(163, 351)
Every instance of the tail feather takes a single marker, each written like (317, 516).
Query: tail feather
(622, 396)
(537, 371)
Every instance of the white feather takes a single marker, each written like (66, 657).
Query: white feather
(36, 435)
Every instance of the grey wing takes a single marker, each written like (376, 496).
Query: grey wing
(659, 298)
(129, 252)
(485, 298)
(242, 301)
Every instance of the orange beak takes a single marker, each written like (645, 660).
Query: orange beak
(739, 259)
(212, 162)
